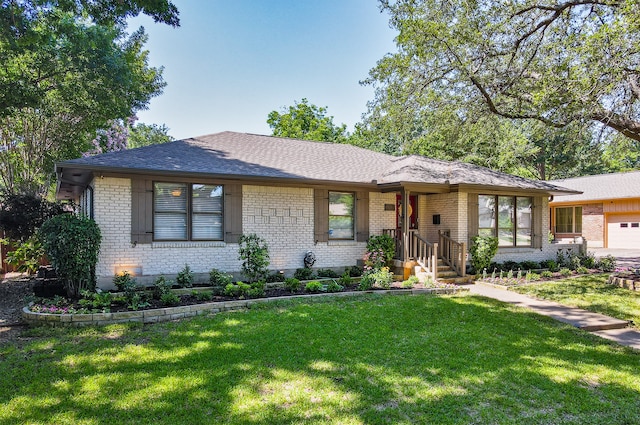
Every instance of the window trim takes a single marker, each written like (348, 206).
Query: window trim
(352, 215)
(189, 212)
(496, 226)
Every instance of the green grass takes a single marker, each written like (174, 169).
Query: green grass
(376, 360)
(591, 293)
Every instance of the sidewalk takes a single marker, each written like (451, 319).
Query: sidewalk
(601, 325)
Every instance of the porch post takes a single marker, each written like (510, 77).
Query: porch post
(405, 224)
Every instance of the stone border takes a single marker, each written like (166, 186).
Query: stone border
(173, 313)
(623, 282)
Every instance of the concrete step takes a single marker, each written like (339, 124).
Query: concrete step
(457, 280)
(446, 274)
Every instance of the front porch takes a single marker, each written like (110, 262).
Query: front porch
(444, 261)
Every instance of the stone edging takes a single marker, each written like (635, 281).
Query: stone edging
(173, 313)
(623, 282)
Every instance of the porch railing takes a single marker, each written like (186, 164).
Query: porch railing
(453, 254)
(412, 247)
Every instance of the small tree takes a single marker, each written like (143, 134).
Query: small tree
(72, 244)
(254, 254)
(483, 249)
(385, 243)
(22, 215)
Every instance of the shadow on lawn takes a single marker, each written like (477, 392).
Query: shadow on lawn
(383, 360)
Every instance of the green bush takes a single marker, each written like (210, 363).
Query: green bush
(326, 273)
(345, 279)
(385, 243)
(123, 280)
(170, 298)
(529, 265)
(219, 280)
(96, 301)
(26, 257)
(582, 270)
(275, 277)
(245, 290)
(410, 282)
(565, 272)
(550, 264)
(304, 273)
(21, 215)
(313, 286)
(292, 284)
(334, 286)
(161, 286)
(483, 249)
(354, 271)
(184, 279)
(607, 264)
(366, 282)
(72, 244)
(547, 274)
(203, 295)
(254, 253)
(382, 277)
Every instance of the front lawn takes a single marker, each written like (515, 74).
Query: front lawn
(374, 360)
(591, 293)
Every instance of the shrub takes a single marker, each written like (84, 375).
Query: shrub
(22, 215)
(275, 277)
(607, 264)
(123, 280)
(345, 279)
(203, 295)
(550, 264)
(132, 297)
(588, 260)
(384, 243)
(184, 279)
(530, 265)
(326, 273)
(382, 277)
(292, 284)
(374, 259)
(546, 274)
(582, 270)
(334, 286)
(565, 272)
(96, 301)
(161, 286)
(219, 280)
(169, 298)
(72, 243)
(354, 271)
(237, 289)
(483, 249)
(510, 265)
(304, 273)
(366, 282)
(26, 257)
(254, 253)
(313, 286)
(533, 277)
(256, 290)
(410, 282)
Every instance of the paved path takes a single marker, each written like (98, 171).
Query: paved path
(601, 325)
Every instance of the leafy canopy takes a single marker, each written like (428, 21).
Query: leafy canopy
(307, 122)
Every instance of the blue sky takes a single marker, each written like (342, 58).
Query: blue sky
(232, 62)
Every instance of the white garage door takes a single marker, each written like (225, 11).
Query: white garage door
(624, 231)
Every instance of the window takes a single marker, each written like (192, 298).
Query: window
(624, 224)
(187, 212)
(341, 222)
(569, 220)
(507, 217)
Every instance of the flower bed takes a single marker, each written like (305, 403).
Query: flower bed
(60, 316)
(628, 278)
(510, 279)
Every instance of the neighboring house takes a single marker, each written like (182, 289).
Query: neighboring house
(187, 202)
(606, 213)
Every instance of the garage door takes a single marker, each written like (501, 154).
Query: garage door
(623, 231)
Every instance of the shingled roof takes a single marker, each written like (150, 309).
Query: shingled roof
(250, 157)
(601, 186)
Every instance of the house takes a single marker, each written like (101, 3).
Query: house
(187, 202)
(606, 213)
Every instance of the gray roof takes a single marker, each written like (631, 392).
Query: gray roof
(601, 186)
(249, 156)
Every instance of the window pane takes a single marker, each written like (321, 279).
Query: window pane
(206, 227)
(578, 218)
(523, 237)
(168, 226)
(486, 232)
(564, 220)
(340, 227)
(341, 215)
(170, 211)
(505, 237)
(170, 197)
(486, 211)
(523, 213)
(505, 212)
(206, 198)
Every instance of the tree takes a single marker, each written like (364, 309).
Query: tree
(554, 62)
(307, 122)
(69, 68)
(148, 134)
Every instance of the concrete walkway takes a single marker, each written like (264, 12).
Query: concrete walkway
(604, 326)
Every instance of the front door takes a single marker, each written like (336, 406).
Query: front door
(413, 212)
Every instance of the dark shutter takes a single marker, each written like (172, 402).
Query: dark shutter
(141, 211)
(538, 231)
(472, 215)
(362, 216)
(321, 215)
(232, 212)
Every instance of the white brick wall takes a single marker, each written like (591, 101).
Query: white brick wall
(281, 215)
